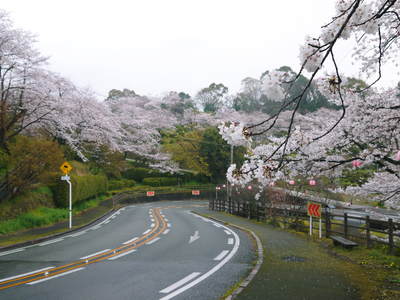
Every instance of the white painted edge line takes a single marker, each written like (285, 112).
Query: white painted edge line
(77, 234)
(166, 231)
(210, 272)
(109, 218)
(230, 241)
(122, 254)
(50, 242)
(153, 241)
(130, 241)
(106, 222)
(179, 283)
(227, 232)
(169, 225)
(152, 225)
(21, 275)
(147, 231)
(221, 255)
(12, 251)
(95, 227)
(55, 276)
(94, 254)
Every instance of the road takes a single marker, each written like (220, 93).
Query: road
(159, 250)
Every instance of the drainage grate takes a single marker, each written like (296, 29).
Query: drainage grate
(292, 258)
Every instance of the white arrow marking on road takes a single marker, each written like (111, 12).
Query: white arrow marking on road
(194, 237)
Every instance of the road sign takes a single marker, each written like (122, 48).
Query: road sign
(314, 210)
(150, 193)
(65, 168)
(66, 177)
(195, 192)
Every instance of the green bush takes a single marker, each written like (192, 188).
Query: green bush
(120, 184)
(160, 181)
(83, 187)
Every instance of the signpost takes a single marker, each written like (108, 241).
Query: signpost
(66, 168)
(314, 210)
(195, 192)
(150, 193)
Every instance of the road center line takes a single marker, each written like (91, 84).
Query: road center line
(25, 274)
(12, 251)
(153, 241)
(94, 254)
(221, 255)
(50, 242)
(130, 241)
(122, 254)
(179, 283)
(55, 276)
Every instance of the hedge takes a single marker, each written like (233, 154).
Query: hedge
(160, 181)
(120, 184)
(83, 187)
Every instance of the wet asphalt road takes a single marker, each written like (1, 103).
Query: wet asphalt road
(180, 256)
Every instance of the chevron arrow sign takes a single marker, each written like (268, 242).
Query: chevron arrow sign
(314, 210)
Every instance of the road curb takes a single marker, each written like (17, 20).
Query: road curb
(260, 259)
(49, 237)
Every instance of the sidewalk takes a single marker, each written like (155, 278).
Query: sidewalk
(295, 268)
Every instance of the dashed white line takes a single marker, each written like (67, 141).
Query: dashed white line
(165, 219)
(179, 283)
(227, 232)
(21, 275)
(153, 241)
(50, 242)
(147, 231)
(122, 254)
(152, 225)
(166, 231)
(130, 241)
(230, 241)
(169, 225)
(55, 276)
(94, 254)
(217, 225)
(12, 251)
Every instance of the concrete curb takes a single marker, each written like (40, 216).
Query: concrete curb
(260, 257)
(49, 237)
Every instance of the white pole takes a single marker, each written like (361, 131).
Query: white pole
(70, 204)
(310, 225)
(320, 228)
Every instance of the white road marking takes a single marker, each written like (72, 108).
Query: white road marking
(55, 276)
(210, 272)
(179, 283)
(50, 242)
(122, 254)
(165, 219)
(147, 231)
(25, 274)
(106, 222)
(194, 237)
(230, 241)
(227, 232)
(221, 255)
(217, 225)
(130, 241)
(166, 231)
(77, 234)
(152, 220)
(94, 254)
(96, 227)
(12, 251)
(168, 225)
(152, 225)
(153, 241)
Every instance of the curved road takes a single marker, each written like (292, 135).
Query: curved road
(157, 250)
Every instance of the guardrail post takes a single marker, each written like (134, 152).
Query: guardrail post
(368, 231)
(327, 223)
(391, 243)
(345, 226)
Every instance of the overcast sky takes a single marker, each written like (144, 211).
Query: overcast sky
(155, 46)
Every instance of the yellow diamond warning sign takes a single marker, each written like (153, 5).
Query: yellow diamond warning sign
(66, 168)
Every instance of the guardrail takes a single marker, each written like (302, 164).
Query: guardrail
(361, 229)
